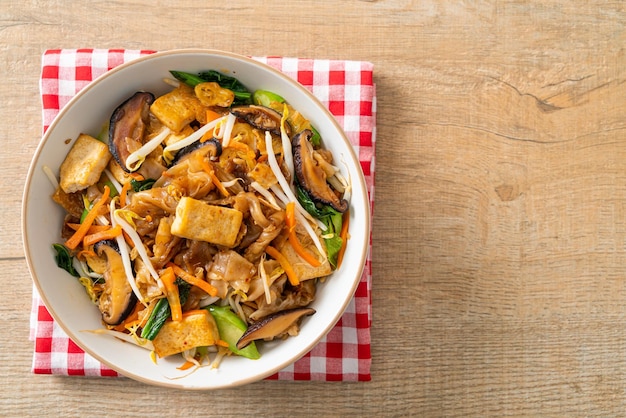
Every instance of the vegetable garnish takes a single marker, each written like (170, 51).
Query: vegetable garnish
(124, 193)
(286, 189)
(211, 172)
(290, 220)
(140, 185)
(193, 280)
(344, 237)
(158, 316)
(331, 218)
(211, 115)
(286, 142)
(171, 292)
(277, 255)
(265, 280)
(92, 229)
(186, 365)
(64, 259)
(75, 239)
(242, 95)
(109, 233)
(135, 159)
(231, 328)
(125, 253)
(225, 135)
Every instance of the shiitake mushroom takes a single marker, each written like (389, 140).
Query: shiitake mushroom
(261, 117)
(273, 325)
(128, 125)
(310, 176)
(117, 299)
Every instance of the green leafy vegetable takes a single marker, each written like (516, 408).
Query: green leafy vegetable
(113, 192)
(231, 328)
(158, 316)
(162, 311)
(64, 259)
(242, 94)
(141, 185)
(266, 98)
(187, 78)
(316, 138)
(274, 101)
(330, 217)
(83, 215)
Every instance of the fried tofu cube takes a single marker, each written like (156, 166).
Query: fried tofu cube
(305, 271)
(197, 329)
(84, 164)
(176, 109)
(198, 220)
(72, 202)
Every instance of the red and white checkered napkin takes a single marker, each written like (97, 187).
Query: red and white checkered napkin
(347, 89)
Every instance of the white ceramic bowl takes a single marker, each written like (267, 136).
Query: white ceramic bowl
(65, 298)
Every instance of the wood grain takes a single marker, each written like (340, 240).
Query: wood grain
(499, 224)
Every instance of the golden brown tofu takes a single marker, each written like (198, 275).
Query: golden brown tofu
(302, 268)
(177, 108)
(197, 329)
(198, 220)
(72, 202)
(84, 164)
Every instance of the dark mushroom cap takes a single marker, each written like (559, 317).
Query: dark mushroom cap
(127, 126)
(261, 117)
(213, 150)
(310, 176)
(117, 300)
(273, 325)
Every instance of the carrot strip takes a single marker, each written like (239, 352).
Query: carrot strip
(92, 229)
(137, 176)
(212, 115)
(195, 312)
(124, 194)
(83, 254)
(218, 184)
(344, 237)
(77, 237)
(291, 274)
(109, 233)
(128, 240)
(290, 220)
(186, 365)
(209, 170)
(134, 316)
(221, 343)
(171, 292)
(193, 280)
(239, 146)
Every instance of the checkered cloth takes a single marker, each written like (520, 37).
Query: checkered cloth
(347, 89)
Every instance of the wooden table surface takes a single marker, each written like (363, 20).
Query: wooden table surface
(500, 217)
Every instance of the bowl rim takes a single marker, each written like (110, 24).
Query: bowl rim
(361, 183)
